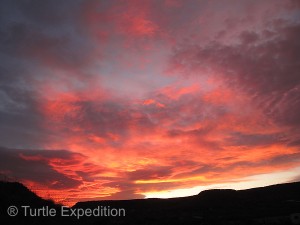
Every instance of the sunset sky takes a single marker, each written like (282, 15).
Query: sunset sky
(148, 98)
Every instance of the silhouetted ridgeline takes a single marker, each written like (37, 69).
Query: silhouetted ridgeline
(277, 204)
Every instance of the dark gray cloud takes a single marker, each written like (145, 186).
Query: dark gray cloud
(154, 172)
(32, 165)
(35, 35)
(264, 65)
(240, 139)
(284, 158)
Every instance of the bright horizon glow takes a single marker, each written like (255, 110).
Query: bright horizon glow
(246, 183)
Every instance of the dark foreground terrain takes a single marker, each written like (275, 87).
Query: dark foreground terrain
(277, 204)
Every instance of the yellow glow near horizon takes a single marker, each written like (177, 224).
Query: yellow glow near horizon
(246, 183)
(154, 181)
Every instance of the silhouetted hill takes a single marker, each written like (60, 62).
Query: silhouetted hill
(17, 194)
(252, 206)
(277, 204)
